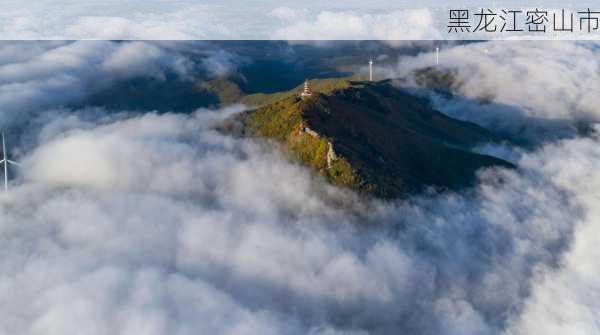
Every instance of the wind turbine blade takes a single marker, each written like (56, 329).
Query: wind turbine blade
(3, 147)
(13, 162)
(2, 161)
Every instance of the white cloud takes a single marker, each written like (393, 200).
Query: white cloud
(538, 87)
(236, 20)
(288, 14)
(135, 59)
(47, 20)
(156, 224)
(328, 25)
(220, 62)
(160, 225)
(565, 300)
(35, 75)
(188, 20)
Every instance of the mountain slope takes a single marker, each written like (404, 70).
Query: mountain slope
(375, 138)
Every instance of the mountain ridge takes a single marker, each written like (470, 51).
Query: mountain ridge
(374, 138)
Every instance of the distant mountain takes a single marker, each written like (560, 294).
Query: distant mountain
(371, 137)
(258, 69)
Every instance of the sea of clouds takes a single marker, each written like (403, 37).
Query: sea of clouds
(146, 223)
(536, 90)
(215, 20)
(314, 20)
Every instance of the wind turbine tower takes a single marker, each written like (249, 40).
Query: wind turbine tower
(437, 55)
(6, 161)
(371, 69)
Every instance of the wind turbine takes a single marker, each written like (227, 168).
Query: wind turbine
(371, 69)
(6, 161)
(437, 55)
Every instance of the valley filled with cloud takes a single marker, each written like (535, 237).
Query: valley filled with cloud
(122, 221)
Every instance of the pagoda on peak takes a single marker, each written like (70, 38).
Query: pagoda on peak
(306, 92)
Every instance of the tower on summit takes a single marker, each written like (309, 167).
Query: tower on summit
(306, 91)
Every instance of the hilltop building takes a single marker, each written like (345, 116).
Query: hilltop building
(306, 92)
